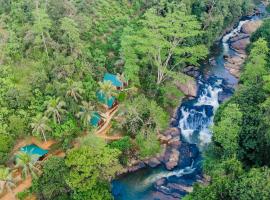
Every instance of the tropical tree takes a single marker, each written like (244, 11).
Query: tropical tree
(74, 89)
(87, 110)
(164, 42)
(40, 126)
(41, 27)
(55, 109)
(108, 90)
(27, 162)
(6, 180)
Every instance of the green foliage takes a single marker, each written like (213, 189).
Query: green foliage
(23, 195)
(148, 143)
(263, 32)
(217, 16)
(6, 144)
(90, 166)
(226, 132)
(123, 144)
(141, 113)
(165, 42)
(51, 184)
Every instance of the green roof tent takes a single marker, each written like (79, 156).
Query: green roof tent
(95, 120)
(109, 102)
(33, 149)
(114, 79)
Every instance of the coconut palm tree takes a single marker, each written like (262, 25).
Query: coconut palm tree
(87, 110)
(40, 126)
(108, 90)
(74, 89)
(27, 162)
(55, 109)
(6, 180)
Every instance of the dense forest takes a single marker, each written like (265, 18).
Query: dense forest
(53, 57)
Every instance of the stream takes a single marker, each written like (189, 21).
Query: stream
(195, 117)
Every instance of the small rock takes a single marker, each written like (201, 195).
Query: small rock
(134, 168)
(153, 162)
(160, 182)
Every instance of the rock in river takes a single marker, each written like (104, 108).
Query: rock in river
(251, 26)
(241, 45)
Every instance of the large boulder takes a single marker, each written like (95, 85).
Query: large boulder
(239, 37)
(251, 26)
(152, 162)
(173, 159)
(241, 45)
(234, 64)
(189, 87)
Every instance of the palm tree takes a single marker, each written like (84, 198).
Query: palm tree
(27, 162)
(6, 180)
(39, 126)
(121, 77)
(55, 109)
(86, 112)
(108, 90)
(74, 89)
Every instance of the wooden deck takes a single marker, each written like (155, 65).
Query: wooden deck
(102, 132)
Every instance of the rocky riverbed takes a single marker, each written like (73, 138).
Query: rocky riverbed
(239, 43)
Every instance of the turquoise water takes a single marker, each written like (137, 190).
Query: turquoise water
(33, 149)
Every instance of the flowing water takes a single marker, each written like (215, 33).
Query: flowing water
(195, 121)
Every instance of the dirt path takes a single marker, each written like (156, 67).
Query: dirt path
(21, 187)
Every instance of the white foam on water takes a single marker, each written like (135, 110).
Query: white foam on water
(233, 33)
(166, 174)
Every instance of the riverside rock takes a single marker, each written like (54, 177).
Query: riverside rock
(153, 162)
(241, 45)
(173, 159)
(189, 88)
(251, 26)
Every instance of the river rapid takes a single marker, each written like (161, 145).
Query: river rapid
(195, 119)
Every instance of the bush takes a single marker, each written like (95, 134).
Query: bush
(148, 144)
(51, 184)
(123, 144)
(6, 143)
(23, 195)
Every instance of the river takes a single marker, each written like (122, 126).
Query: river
(195, 121)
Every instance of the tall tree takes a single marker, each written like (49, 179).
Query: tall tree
(226, 131)
(90, 166)
(71, 34)
(40, 126)
(55, 109)
(87, 110)
(108, 90)
(74, 89)
(42, 25)
(164, 42)
(26, 162)
(6, 180)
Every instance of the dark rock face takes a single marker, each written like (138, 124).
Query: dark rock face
(191, 71)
